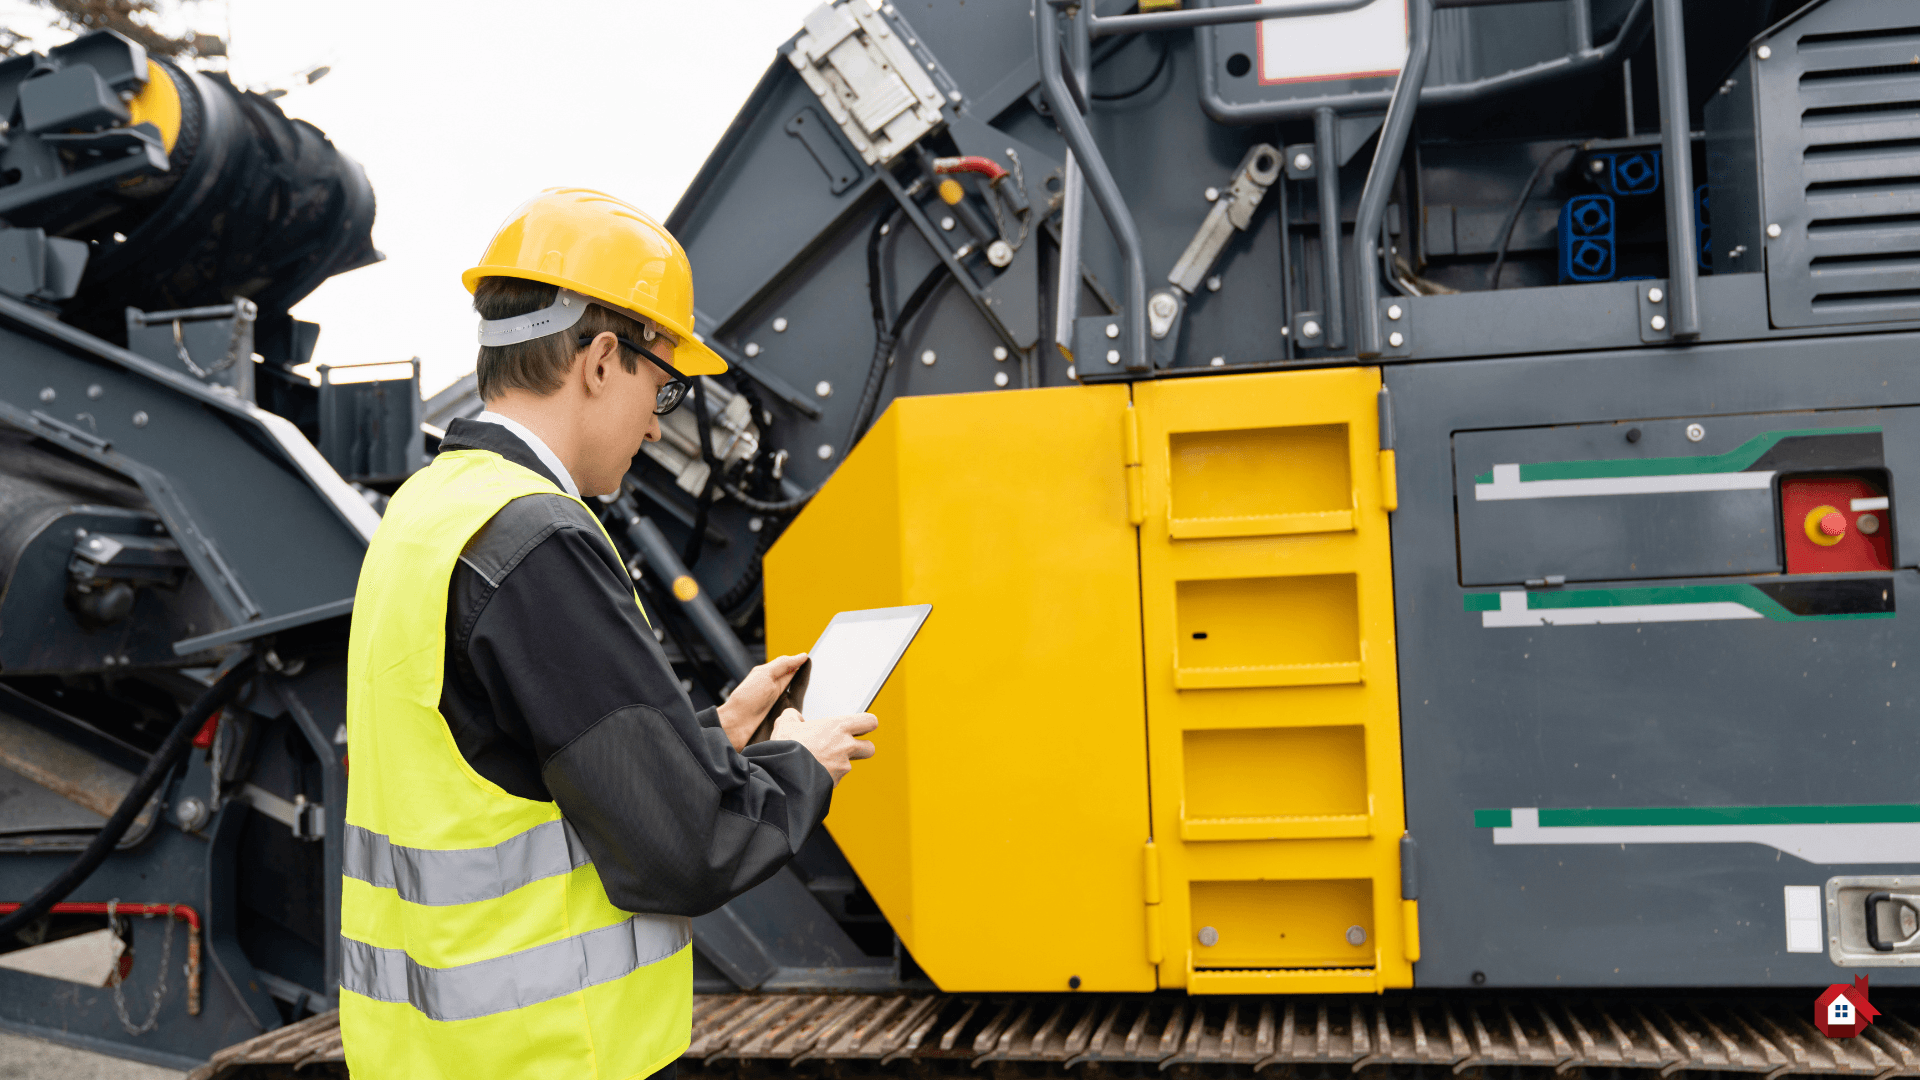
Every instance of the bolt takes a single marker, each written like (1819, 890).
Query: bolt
(1163, 306)
(1113, 356)
(1208, 936)
(1633, 434)
(1394, 312)
(752, 349)
(1072, 374)
(140, 419)
(1695, 433)
(1073, 983)
(1596, 165)
(1218, 361)
(1356, 935)
(823, 388)
(954, 96)
(1213, 194)
(755, 524)
(1868, 523)
(1213, 283)
(1763, 52)
(1000, 253)
(1000, 352)
(1396, 339)
(46, 394)
(1773, 231)
(1655, 296)
(94, 392)
(1658, 322)
(999, 378)
(1309, 329)
(928, 358)
(780, 326)
(1302, 161)
(946, 223)
(825, 451)
(1113, 329)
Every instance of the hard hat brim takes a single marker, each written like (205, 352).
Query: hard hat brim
(691, 355)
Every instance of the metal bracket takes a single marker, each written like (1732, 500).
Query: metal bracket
(1397, 316)
(1650, 308)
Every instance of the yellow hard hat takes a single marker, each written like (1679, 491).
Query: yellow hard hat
(603, 248)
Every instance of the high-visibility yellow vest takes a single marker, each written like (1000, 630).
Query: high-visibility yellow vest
(476, 938)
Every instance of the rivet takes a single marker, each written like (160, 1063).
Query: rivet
(752, 349)
(780, 326)
(823, 388)
(999, 378)
(946, 223)
(1396, 339)
(825, 451)
(1773, 231)
(1394, 312)
(1218, 361)
(140, 419)
(1596, 165)
(928, 357)
(755, 524)
(1072, 374)
(1208, 936)
(94, 392)
(1309, 329)
(1763, 52)
(1213, 283)
(1302, 162)
(1658, 322)
(1000, 352)
(1655, 296)
(954, 95)
(1113, 356)
(1695, 433)
(1113, 331)
(1356, 935)
(1213, 194)
(46, 394)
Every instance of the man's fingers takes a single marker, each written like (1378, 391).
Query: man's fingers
(782, 666)
(858, 749)
(859, 723)
(791, 716)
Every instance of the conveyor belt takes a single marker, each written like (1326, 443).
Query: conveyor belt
(798, 1034)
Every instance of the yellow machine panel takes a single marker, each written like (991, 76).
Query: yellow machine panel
(1000, 825)
(1267, 600)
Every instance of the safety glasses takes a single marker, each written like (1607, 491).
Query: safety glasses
(672, 394)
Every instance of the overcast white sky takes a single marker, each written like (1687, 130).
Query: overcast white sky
(461, 111)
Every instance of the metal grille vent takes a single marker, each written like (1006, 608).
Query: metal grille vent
(1839, 96)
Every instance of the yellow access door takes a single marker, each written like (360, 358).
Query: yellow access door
(1272, 706)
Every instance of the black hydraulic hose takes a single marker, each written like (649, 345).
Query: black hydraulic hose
(172, 749)
(703, 507)
(1513, 215)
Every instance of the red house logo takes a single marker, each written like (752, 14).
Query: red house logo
(1842, 1011)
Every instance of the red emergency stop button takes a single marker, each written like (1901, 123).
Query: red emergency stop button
(1831, 526)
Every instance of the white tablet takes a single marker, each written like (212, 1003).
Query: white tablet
(854, 656)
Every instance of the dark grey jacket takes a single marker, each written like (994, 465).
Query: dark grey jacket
(557, 689)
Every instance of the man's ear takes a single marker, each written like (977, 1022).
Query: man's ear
(593, 363)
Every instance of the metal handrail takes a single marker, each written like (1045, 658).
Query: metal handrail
(1386, 161)
(1106, 193)
(1676, 126)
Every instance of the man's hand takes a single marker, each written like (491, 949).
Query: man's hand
(835, 740)
(749, 702)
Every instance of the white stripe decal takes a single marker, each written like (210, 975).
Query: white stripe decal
(1873, 842)
(1514, 612)
(1508, 485)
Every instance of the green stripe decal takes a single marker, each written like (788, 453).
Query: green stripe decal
(1735, 460)
(1745, 595)
(1616, 817)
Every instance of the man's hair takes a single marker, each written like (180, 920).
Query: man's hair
(539, 365)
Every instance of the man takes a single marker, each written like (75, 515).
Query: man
(534, 808)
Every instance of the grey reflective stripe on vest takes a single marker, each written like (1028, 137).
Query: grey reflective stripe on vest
(462, 875)
(516, 980)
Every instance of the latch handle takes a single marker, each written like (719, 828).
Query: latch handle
(1874, 900)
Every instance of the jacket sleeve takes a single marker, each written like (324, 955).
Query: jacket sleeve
(676, 822)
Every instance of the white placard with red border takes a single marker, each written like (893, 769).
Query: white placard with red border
(1367, 42)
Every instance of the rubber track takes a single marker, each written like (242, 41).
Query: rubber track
(1767, 1036)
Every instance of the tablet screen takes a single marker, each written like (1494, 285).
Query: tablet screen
(855, 654)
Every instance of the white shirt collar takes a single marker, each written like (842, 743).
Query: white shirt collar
(536, 444)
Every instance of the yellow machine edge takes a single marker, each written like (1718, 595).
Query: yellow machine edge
(1156, 701)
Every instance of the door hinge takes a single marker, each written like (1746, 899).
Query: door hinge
(1136, 486)
(1150, 866)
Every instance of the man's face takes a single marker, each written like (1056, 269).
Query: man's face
(622, 413)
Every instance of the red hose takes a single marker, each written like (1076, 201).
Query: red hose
(986, 167)
(182, 912)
